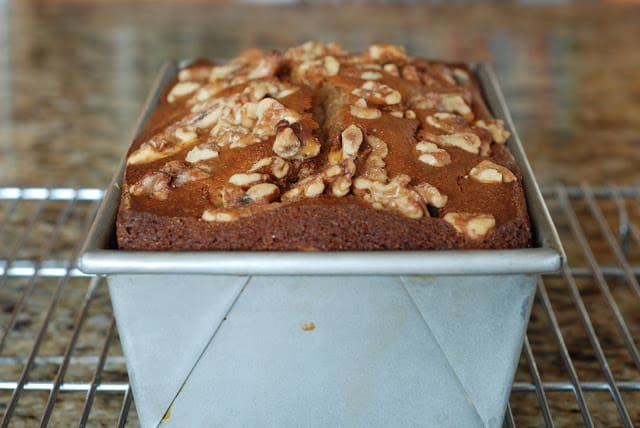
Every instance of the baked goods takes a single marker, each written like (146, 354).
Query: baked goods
(314, 148)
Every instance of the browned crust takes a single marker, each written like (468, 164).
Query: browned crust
(326, 223)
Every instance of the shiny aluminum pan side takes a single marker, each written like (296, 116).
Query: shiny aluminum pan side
(100, 256)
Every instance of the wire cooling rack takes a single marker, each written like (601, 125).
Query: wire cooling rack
(61, 363)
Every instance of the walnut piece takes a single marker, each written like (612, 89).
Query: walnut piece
(365, 112)
(453, 103)
(182, 89)
(274, 166)
(431, 195)
(409, 72)
(488, 172)
(215, 215)
(295, 144)
(155, 185)
(247, 180)
(263, 193)
(466, 141)
(201, 153)
(461, 76)
(351, 140)
(310, 187)
(375, 166)
(432, 155)
(395, 195)
(386, 53)
(392, 69)
(286, 144)
(378, 93)
(496, 128)
(448, 122)
(473, 226)
(331, 65)
(270, 112)
(199, 73)
(371, 75)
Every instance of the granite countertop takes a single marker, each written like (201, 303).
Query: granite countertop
(74, 75)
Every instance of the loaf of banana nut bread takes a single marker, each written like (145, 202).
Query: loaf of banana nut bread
(315, 148)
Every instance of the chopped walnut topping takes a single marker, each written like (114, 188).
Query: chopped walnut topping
(445, 74)
(351, 141)
(181, 173)
(466, 141)
(448, 122)
(147, 153)
(310, 145)
(247, 180)
(386, 53)
(431, 195)
(339, 177)
(432, 155)
(270, 112)
(286, 92)
(295, 143)
(313, 50)
(182, 89)
(207, 119)
(274, 165)
(228, 134)
(378, 93)
(201, 153)
(461, 76)
(331, 65)
(312, 62)
(365, 112)
(185, 135)
(286, 144)
(245, 102)
(155, 185)
(199, 73)
(395, 195)
(410, 73)
(392, 69)
(473, 226)
(173, 174)
(215, 215)
(310, 187)
(496, 128)
(453, 103)
(267, 66)
(488, 172)
(371, 75)
(375, 166)
(263, 193)
(232, 196)
(220, 72)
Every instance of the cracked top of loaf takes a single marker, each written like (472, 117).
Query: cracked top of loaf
(315, 148)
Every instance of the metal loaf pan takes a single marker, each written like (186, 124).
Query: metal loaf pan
(410, 338)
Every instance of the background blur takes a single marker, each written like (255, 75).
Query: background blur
(74, 74)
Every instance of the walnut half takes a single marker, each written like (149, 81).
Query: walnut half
(487, 172)
(472, 225)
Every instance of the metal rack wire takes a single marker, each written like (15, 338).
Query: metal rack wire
(61, 362)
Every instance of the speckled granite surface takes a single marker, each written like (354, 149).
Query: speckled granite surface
(73, 78)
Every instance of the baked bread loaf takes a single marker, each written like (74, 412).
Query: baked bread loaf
(314, 148)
